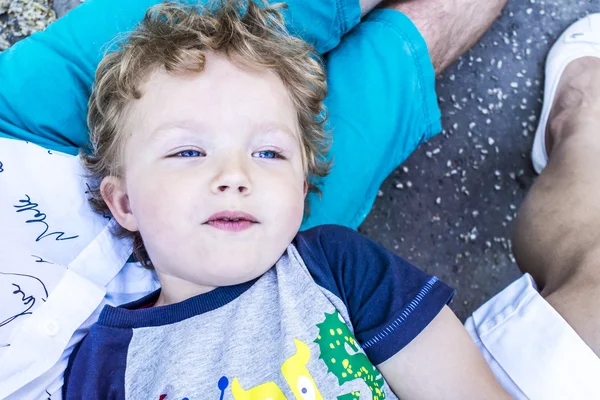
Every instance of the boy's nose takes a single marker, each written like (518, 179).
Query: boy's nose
(241, 188)
(233, 177)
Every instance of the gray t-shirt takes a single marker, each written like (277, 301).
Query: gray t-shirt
(290, 334)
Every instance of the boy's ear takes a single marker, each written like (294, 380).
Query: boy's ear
(115, 196)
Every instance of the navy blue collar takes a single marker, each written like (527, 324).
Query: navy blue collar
(131, 315)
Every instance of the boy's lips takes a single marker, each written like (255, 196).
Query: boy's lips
(233, 221)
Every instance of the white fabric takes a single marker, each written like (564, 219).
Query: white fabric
(582, 39)
(59, 264)
(532, 350)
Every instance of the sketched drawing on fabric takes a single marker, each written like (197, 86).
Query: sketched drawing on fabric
(39, 217)
(40, 259)
(46, 217)
(1, 167)
(26, 290)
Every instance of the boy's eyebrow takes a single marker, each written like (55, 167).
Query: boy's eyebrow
(182, 124)
(199, 126)
(275, 127)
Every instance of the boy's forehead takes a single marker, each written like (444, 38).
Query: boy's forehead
(222, 94)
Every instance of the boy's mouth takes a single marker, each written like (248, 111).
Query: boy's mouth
(233, 221)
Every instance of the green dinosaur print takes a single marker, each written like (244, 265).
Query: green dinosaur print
(349, 396)
(347, 366)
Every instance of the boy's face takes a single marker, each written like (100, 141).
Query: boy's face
(214, 178)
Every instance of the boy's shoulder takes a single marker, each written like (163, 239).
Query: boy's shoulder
(345, 262)
(337, 246)
(389, 300)
(329, 238)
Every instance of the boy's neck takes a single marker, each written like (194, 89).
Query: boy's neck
(175, 290)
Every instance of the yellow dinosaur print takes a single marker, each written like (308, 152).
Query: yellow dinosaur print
(266, 391)
(296, 375)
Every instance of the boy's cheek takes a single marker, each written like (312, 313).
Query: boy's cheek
(151, 204)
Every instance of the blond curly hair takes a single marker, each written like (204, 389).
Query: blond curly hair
(177, 37)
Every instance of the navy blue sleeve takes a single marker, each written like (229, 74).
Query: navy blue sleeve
(389, 300)
(96, 368)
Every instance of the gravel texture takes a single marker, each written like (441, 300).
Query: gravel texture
(21, 18)
(450, 207)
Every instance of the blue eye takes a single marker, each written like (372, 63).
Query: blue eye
(189, 153)
(268, 154)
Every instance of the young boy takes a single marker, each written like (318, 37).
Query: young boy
(207, 132)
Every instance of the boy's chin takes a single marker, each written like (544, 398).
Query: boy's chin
(235, 276)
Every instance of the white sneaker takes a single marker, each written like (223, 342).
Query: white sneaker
(582, 39)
